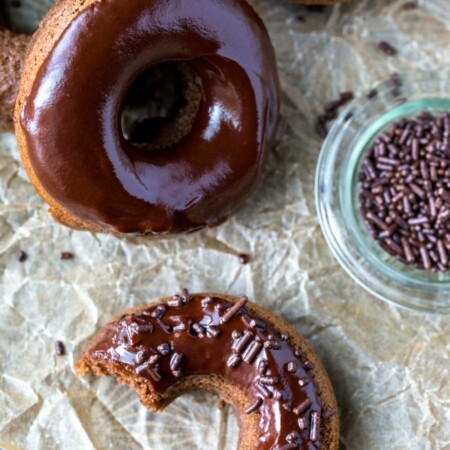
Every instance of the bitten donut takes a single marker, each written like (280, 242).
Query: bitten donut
(13, 47)
(249, 356)
(81, 66)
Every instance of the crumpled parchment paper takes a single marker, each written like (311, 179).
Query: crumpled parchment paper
(390, 367)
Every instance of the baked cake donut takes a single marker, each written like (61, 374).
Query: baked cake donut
(13, 47)
(83, 62)
(214, 342)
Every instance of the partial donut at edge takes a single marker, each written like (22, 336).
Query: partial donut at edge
(13, 48)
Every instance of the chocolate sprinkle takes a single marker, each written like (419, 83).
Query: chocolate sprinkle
(292, 367)
(293, 438)
(231, 312)
(395, 83)
(254, 406)
(153, 359)
(158, 312)
(175, 302)
(302, 382)
(175, 361)
(256, 323)
(142, 328)
(287, 406)
(372, 94)
(21, 256)
(269, 381)
(272, 345)
(236, 334)
(185, 295)
(147, 369)
(244, 258)
(198, 329)
(263, 390)
(278, 395)
(302, 423)
(59, 348)
(141, 356)
(213, 331)
(66, 255)
(164, 349)
(331, 112)
(387, 48)
(234, 361)
(263, 365)
(304, 405)
(252, 352)
(242, 344)
(315, 426)
(286, 447)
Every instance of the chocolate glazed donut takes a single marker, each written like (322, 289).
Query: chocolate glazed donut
(82, 63)
(214, 342)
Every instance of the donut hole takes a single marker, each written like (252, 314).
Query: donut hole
(161, 106)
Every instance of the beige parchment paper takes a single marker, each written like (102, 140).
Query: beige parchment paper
(390, 367)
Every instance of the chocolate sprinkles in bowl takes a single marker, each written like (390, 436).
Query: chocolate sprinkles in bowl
(383, 190)
(405, 191)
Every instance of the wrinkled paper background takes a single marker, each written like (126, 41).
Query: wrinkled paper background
(390, 367)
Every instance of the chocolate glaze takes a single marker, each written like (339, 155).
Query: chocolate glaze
(71, 117)
(194, 335)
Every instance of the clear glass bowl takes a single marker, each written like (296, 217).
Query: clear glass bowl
(27, 15)
(337, 199)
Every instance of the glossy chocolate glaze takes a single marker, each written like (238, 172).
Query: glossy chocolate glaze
(71, 117)
(194, 335)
